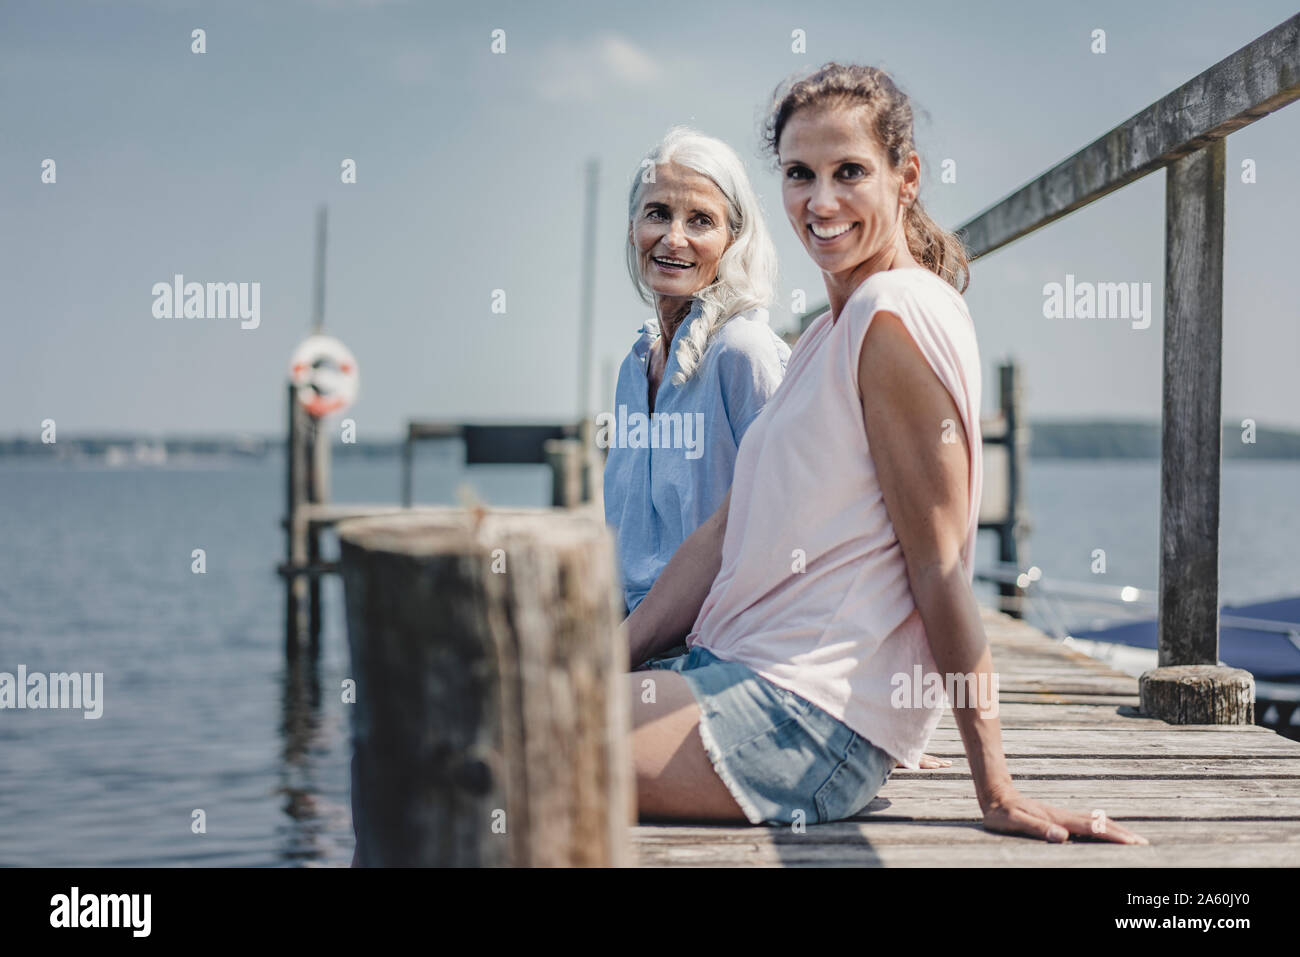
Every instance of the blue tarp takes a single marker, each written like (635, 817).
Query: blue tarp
(1268, 655)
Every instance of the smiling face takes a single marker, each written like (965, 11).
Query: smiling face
(840, 194)
(680, 231)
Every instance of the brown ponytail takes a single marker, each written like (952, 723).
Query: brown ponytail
(890, 118)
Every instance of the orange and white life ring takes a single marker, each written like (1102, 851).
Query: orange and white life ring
(325, 374)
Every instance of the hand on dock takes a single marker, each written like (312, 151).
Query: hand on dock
(1013, 813)
(930, 761)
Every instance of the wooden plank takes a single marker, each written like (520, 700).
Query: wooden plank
(332, 514)
(1017, 714)
(1015, 660)
(1068, 788)
(1123, 800)
(901, 844)
(1051, 714)
(1051, 697)
(1022, 854)
(948, 833)
(1111, 723)
(1036, 742)
(1046, 651)
(1147, 768)
(1263, 76)
(1135, 807)
(1083, 684)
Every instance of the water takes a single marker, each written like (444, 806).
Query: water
(200, 712)
(1076, 507)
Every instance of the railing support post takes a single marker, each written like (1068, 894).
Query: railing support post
(1188, 686)
(1014, 524)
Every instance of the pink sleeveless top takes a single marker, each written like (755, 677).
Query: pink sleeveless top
(813, 591)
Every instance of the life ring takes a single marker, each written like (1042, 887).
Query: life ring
(325, 375)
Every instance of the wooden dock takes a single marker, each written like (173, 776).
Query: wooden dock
(1203, 795)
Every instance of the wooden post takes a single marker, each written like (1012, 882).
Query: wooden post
(408, 450)
(318, 287)
(491, 726)
(586, 302)
(1011, 530)
(307, 478)
(296, 478)
(318, 493)
(1190, 453)
(567, 460)
(1199, 694)
(593, 466)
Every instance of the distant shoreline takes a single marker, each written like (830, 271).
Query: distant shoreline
(1098, 439)
(1141, 440)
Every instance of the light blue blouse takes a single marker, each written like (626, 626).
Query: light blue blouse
(666, 473)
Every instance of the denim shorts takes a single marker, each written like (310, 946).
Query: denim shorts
(782, 758)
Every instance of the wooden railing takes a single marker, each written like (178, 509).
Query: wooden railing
(565, 448)
(1184, 132)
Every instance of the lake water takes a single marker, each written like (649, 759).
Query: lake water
(200, 712)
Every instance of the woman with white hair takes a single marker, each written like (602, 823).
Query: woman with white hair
(702, 369)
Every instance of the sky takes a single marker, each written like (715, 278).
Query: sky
(469, 180)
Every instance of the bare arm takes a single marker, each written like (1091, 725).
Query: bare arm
(925, 483)
(668, 611)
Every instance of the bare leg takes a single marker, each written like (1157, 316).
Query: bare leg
(674, 777)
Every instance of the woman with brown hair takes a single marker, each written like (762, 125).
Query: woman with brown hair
(838, 570)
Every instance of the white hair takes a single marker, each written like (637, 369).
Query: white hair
(747, 271)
